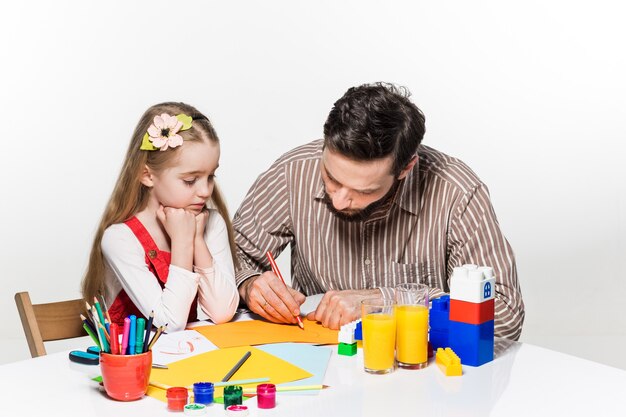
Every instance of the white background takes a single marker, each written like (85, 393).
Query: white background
(530, 94)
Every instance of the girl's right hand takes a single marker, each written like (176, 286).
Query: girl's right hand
(179, 224)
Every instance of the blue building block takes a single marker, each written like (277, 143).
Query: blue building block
(438, 320)
(439, 314)
(472, 342)
(358, 331)
(438, 339)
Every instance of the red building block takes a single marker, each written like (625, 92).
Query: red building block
(471, 313)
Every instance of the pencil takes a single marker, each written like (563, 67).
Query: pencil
(156, 336)
(219, 384)
(270, 257)
(92, 335)
(288, 388)
(146, 339)
(98, 309)
(105, 310)
(237, 366)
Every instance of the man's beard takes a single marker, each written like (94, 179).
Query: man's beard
(364, 213)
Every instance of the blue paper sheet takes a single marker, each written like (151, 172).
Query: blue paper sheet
(313, 359)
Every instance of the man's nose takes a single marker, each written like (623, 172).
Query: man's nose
(341, 199)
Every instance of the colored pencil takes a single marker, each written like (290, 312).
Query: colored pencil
(146, 339)
(103, 338)
(105, 310)
(96, 303)
(275, 269)
(288, 388)
(218, 384)
(156, 336)
(241, 382)
(237, 366)
(87, 322)
(92, 335)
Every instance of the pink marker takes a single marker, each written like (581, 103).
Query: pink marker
(125, 335)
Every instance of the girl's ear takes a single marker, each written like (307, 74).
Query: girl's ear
(146, 177)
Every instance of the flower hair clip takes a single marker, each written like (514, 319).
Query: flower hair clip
(163, 132)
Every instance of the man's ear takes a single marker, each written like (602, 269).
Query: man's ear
(146, 177)
(408, 168)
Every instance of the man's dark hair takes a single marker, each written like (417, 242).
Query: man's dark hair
(374, 121)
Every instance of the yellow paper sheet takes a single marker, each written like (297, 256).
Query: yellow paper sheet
(258, 332)
(214, 365)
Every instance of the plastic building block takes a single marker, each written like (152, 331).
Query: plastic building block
(438, 338)
(439, 321)
(347, 349)
(472, 342)
(472, 313)
(358, 331)
(448, 362)
(346, 333)
(472, 285)
(439, 314)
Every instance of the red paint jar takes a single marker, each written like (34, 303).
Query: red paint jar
(266, 395)
(176, 398)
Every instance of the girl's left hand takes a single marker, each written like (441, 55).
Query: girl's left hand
(201, 220)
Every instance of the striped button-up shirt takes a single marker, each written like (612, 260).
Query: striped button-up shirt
(440, 217)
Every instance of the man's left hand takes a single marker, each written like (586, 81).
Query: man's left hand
(340, 307)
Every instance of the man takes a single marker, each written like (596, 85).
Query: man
(364, 209)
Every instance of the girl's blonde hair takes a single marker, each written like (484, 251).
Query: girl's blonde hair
(130, 196)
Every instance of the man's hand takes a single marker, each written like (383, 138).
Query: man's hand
(270, 298)
(340, 307)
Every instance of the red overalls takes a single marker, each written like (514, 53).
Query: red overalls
(159, 264)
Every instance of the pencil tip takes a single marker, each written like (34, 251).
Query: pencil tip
(325, 386)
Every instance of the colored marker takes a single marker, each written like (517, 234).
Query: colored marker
(132, 335)
(115, 341)
(125, 333)
(141, 322)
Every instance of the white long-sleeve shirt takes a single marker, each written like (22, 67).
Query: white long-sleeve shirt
(125, 264)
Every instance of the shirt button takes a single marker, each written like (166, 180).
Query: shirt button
(367, 262)
(152, 254)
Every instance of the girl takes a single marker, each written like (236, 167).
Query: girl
(158, 247)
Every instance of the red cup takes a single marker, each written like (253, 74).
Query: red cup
(126, 377)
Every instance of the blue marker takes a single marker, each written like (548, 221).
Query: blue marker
(132, 334)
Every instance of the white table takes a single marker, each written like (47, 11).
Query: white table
(523, 380)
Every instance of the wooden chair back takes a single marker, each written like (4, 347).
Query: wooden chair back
(47, 322)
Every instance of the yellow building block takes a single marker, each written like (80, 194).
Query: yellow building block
(448, 362)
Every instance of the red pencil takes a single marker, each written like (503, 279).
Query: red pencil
(270, 257)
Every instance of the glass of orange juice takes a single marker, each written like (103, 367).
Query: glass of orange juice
(379, 335)
(412, 325)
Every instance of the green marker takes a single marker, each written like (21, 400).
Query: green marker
(141, 324)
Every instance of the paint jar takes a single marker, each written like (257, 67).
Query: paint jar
(266, 395)
(195, 409)
(125, 377)
(203, 392)
(233, 395)
(237, 411)
(176, 398)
